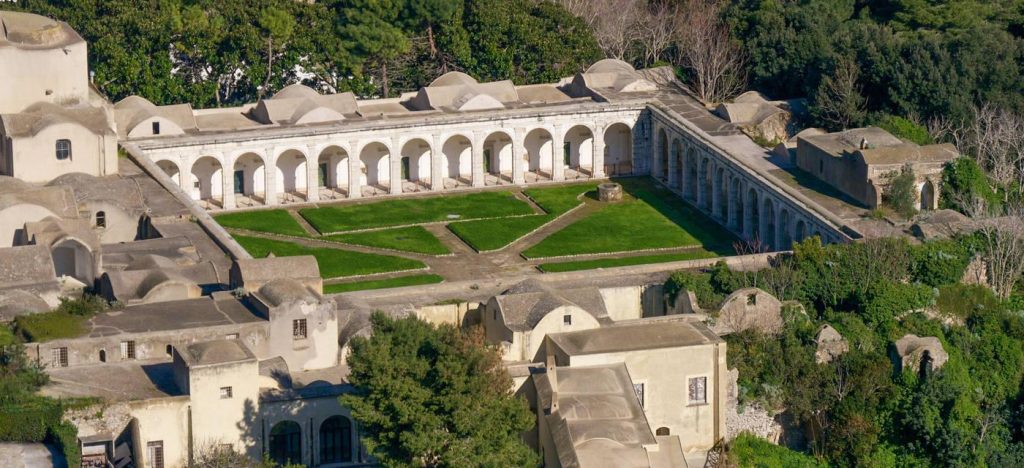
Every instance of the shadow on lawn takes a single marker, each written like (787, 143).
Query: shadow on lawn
(712, 236)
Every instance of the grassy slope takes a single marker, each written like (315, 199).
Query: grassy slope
(493, 234)
(410, 239)
(334, 263)
(626, 261)
(273, 221)
(411, 280)
(649, 218)
(414, 211)
(751, 452)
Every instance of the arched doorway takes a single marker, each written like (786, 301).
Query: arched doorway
(753, 219)
(286, 443)
(249, 179)
(705, 184)
(457, 165)
(74, 259)
(675, 178)
(928, 196)
(800, 231)
(540, 153)
(723, 195)
(736, 196)
(498, 158)
(332, 172)
(768, 235)
(579, 152)
(690, 188)
(416, 164)
(291, 175)
(336, 440)
(785, 239)
(663, 170)
(207, 183)
(171, 169)
(375, 164)
(618, 148)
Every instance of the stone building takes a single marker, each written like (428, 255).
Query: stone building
(861, 161)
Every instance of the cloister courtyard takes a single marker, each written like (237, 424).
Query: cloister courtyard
(368, 244)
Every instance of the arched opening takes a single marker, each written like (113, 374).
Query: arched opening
(207, 183)
(168, 349)
(101, 219)
(375, 165)
(690, 187)
(928, 196)
(457, 165)
(705, 184)
(103, 355)
(618, 148)
(415, 165)
(736, 196)
(540, 153)
(249, 180)
(785, 239)
(170, 169)
(752, 221)
(336, 440)
(662, 431)
(332, 172)
(291, 175)
(286, 443)
(498, 158)
(675, 178)
(925, 367)
(768, 236)
(662, 171)
(72, 258)
(800, 232)
(579, 141)
(723, 195)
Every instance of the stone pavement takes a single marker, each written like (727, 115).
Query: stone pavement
(21, 455)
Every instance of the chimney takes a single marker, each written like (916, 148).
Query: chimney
(552, 372)
(863, 143)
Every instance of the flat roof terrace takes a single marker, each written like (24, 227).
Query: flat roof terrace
(207, 311)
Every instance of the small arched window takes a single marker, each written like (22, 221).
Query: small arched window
(168, 350)
(662, 431)
(63, 150)
(103, 355)
(101, 219)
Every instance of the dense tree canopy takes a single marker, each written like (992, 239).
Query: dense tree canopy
(435, 396)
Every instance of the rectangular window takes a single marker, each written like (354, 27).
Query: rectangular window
(128, 349)
(155, 454)
(231, 336)
(63, 150)
(299, 329)
(60, 357)
(639, 389)
(225, 392)
(156, 128)
(567, 319)
(698, 391)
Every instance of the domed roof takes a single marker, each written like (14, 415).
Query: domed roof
(27, 29)
(134, 102)
(10, 184)
(611, 66)
(452, 79)
(219, 351)
(296, 91)
(74, 179)
(284, 290)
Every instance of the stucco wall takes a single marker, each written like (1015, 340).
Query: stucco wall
(553, 322)
(310, 414)
(34, 158)
(164, 420)
(58, 75)
(320, 347)
(217, 420)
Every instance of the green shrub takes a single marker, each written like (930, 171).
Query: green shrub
(64, 436)
(939, 262)
(901, 192)
(884, 301)
(28, 421)
(963, 181)
(747, 450)
(697, 283)
(49, 326)
(86, 306)
(964, 300)
(905, 129)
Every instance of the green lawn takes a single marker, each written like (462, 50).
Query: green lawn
(627, 261)
(409, 239)
(273, 221)
(412, 280)
(648, 218)
(415, 211)
(51, 325)
(334, 263)
(493, 234)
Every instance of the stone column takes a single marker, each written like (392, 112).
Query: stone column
(313, 174)
(673, 165)
(270, 173)
(477, 153)
(396, 167)
(715, 189)
(558, 155)
(436, 174)
(227, 180)
(597, 171)
(355, 188)
(730, 215)
(702, 183)
(517, 155)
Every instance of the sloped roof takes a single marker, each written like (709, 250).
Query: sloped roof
(26, 264)
(50, 230)
(296, 91)
(15, 302)
(42, 115)
(286, 290)
(31, 31)
(60, 201)
(133, 110)
(641, 334)
(216, 352)
(525, 304)
(614, 75)
(452, 78)
(263, 270)
(298, 104)
(120, 192)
